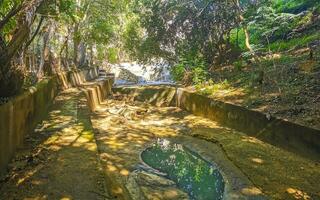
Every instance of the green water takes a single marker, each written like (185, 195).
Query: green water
(192, 174)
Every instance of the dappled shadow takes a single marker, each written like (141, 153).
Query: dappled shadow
(126, 128)
(58, 160)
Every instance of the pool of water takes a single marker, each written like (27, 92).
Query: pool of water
(192, 174)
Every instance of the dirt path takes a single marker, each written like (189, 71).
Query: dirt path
(59, 161)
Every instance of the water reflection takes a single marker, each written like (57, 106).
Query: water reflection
(194, 175)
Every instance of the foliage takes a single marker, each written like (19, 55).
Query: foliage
(237, 38)
(303, 41)
(270, 26)
(210, 87)
(192, 36)
(238, 65)
(5, 7)
(190, 70)
(112, 55)
(176, 27)
(294, 6)
(37, 35)
(132, 37)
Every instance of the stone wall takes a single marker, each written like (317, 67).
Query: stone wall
(21, 114)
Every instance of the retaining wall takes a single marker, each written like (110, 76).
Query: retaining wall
(97, 92)
(278, 132)
(21, 114)
(77, 77)
(290, 136)
(155, 95)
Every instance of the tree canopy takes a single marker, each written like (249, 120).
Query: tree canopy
(39, 38)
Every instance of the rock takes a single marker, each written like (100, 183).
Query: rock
(144, 185)
(309, 119)
(123, 75)
(147, 178)
(164, 193)
(181, 128)
(128, 76)
(133, 187)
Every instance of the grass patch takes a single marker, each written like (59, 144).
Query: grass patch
(210, 87)
(295, 42)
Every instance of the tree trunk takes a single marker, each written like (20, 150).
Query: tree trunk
(45, 49)
(35, 33)
(14, 11)
(245, 27)
(2, 44)
(21, 33)
(83, 55)
(76, 42)
(91, 56)
(247, 34)
(11, 77)
(64, 60)
(67, 56)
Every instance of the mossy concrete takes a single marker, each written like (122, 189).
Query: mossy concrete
(284, 134)
(290, 136)
(59, 159)
(77, 77)
(155, 95)
(96, 92)
(21, 114)
(252, 168)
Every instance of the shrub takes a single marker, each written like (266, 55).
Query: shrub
(112, 55)
(295, 42)
(11, 82)
(238, 65)
(210, 87)
(190, 70)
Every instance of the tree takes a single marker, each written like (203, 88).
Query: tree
(11, 76)
(174, 27)
(30, 28)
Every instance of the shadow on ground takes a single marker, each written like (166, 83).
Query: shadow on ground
(125, 128)
(58, 160)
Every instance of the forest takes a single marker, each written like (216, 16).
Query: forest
(248, 47)
(255, 63)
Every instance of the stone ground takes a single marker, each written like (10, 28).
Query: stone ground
(66, 159)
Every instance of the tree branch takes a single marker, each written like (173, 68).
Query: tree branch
(35, 33)
(14, 10)
(20, 35)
